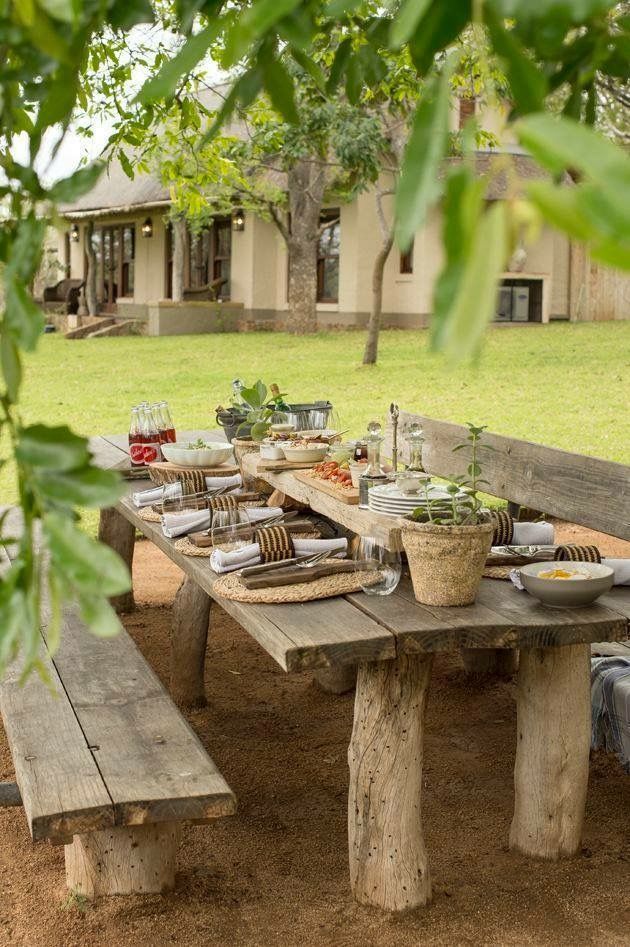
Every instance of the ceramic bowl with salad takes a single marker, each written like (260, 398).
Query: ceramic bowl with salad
(198, 453)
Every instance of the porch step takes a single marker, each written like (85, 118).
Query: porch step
(82, 332)
(119, 327)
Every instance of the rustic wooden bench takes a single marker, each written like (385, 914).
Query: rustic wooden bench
(393, 641)
(106, 765)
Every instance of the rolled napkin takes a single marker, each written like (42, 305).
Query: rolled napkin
(532, 534)
(249, 555)
(167, 491)
(212, 483)
(190, 521)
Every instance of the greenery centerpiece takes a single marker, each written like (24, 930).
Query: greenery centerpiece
(447, 540)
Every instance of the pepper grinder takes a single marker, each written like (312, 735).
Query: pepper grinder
(374, 473)
(415, 439)
(393, 413)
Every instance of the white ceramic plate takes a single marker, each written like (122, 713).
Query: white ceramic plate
(213, 454)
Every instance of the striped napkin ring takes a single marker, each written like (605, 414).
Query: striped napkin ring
(223, 503)
(193, 481)
(275, 543)
(573, 553)
(503, 527)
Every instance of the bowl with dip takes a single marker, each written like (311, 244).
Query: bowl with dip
(567, 584)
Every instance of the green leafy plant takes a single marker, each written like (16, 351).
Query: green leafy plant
(259, 411)
(464, 506)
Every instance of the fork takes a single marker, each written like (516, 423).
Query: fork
(301, 562)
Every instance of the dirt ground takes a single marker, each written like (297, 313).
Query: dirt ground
(276, 873)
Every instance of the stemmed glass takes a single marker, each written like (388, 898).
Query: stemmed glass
(371, 558)
(231, 530)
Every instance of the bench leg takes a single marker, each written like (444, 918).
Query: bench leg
(191, 615)
(138, 859)
(500, 661)
(552, 751)
(118, 533)
(337, 680)
(388, 860)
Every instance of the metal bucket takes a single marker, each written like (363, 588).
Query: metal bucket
(305, 417)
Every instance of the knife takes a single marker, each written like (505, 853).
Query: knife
(297, 576)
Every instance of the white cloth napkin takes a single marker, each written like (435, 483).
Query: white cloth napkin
(620, 567)
(189, 521)
(221, 561)
(156, 494)
(533, 534)
(235, 481)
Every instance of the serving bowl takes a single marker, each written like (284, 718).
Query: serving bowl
(314, 453)
(591, 581)
(213, 454)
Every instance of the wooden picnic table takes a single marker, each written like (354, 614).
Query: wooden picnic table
(393, 640)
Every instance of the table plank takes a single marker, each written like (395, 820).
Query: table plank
(159, 771)
(108, 456)
(296, 636)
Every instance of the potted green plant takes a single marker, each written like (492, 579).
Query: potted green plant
(447, 541)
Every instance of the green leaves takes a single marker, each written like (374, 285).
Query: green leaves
(82, 181)
(52, 448)
(527, 81)
(85, 486)
(419, 183)
(253, 23)
(406, 21)
(279, 85)
(559, 143)
(460, 329)
(164, 84)
(23, 318)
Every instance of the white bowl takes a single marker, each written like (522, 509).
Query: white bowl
(271, 451)
(213, 454)
(594, 580)
(305, 455)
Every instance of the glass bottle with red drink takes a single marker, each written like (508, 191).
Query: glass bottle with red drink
(167, 421)
(151, 437)
(156, 413)
(136, 440)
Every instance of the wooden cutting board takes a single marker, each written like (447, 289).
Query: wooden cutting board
(345, 495)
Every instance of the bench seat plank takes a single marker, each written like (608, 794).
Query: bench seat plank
(152, 763)
(62, 789)
(299, 637)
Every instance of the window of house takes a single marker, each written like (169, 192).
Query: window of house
(209, 256)
(328, 257)
(222, 253)
(406, 260)
(466, 110)
(128, 258)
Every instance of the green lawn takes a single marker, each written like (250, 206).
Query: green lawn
(563, 385)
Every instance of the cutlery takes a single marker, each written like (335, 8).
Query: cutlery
(299, 561)
(297, 576)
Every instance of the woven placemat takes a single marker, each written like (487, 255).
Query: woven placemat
(498, 572)
(148, 514)
(229, 586)
(187, 548)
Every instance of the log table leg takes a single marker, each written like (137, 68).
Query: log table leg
(388, 861)
(137, 859)
(191, 615)
(337, 680)
(118, 533)
(552, 751)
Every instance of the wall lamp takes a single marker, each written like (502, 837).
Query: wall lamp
(74, 233)
(147, 228)
(238, 220)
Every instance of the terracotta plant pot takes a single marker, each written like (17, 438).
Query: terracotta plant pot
(446, 562)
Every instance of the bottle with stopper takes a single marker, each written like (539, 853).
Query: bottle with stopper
(374, 473)
(415, 440)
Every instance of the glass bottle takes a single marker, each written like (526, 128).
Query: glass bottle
(156, 414)
(150, 437)
(279, 402)
(415, 439)
(136, 442)
(374, 474)
(167, 420)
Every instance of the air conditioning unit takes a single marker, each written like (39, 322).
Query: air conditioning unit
(520, 303)
(504, 304)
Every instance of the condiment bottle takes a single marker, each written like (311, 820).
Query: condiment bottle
(374, 473)
(415, 439)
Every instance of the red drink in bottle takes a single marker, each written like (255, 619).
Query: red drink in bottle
(158, 419)
(170, 435)
(151, 438)
(136, 440)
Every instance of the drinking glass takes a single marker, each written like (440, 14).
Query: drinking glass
(372, 557)
(173, 501)
(231, 530)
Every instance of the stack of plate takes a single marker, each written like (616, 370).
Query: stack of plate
(387, 498)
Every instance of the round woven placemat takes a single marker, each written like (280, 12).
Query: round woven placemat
(497, 572)
(229, 586)
(187, 548)
(146, 513)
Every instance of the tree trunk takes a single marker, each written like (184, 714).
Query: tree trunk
(131, 859)
(306, 193)
(191, 615)
(90, 280)
(374, 325)
(179, 243)
(552, 750)
(388, 860)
